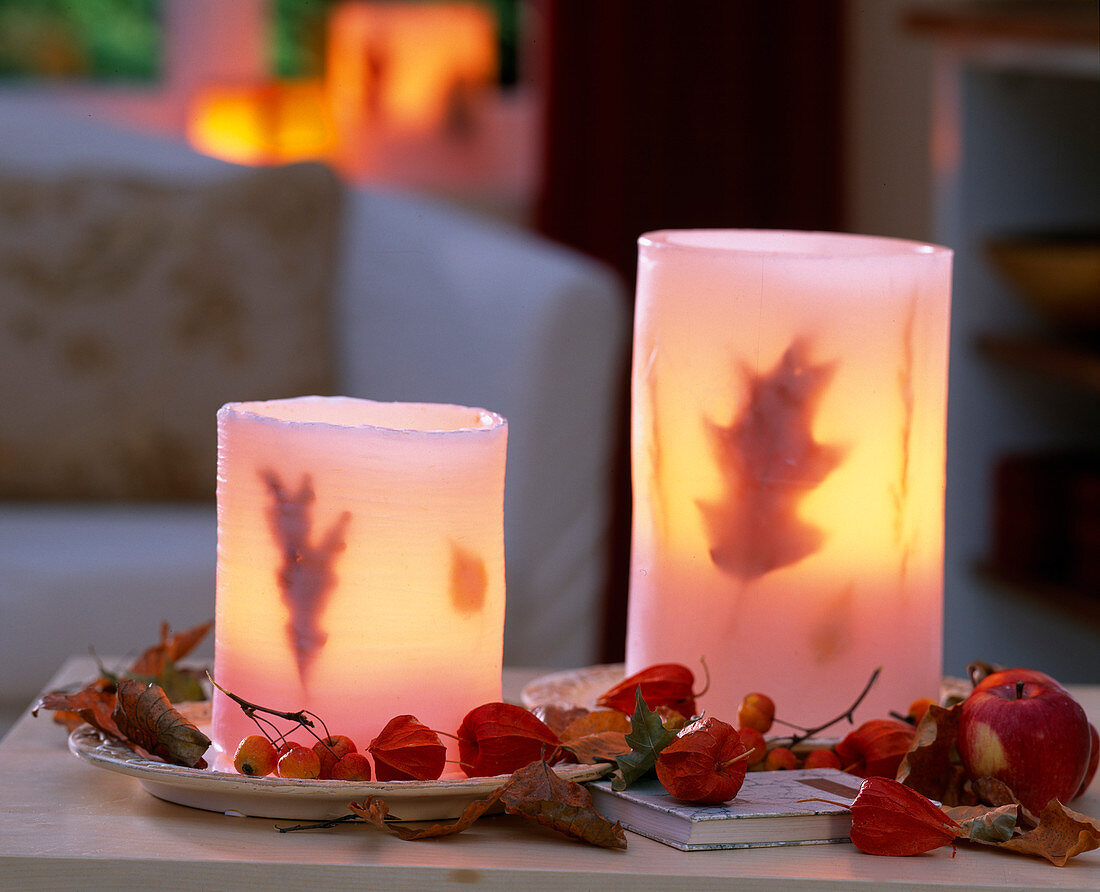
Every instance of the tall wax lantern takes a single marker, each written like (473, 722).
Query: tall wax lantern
(360, 563)
(788, 438)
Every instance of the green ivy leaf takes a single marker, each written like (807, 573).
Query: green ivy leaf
(647, 737)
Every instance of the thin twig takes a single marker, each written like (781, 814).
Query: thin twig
(250, 709)
(847, 714)
(322, 825)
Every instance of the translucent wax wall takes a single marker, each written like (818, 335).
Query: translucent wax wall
(360, 563)
(788, 422)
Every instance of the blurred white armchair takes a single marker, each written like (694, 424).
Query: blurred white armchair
(429, 304)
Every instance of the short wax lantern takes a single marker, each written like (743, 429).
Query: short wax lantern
(360, 563)
(788, 449)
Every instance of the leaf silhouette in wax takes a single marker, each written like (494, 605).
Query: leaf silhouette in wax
(469, 581)
(306, 576)
(769, 461)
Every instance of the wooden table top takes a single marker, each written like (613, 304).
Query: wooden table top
(66, 824)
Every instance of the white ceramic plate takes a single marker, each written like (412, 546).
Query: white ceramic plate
(581, 688)
(573, 687)
(288, 798)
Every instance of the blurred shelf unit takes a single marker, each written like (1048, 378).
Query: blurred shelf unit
(1080, 606)
(1015, 148)
(1044, 35)
(1069, 363)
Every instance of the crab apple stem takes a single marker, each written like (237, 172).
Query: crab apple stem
(706, 676)
(780, 721)
(847, 714)
(830, 801)
(741, 758)
(250, 709)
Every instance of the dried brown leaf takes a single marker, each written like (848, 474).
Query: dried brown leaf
(537, 792)
(375, 812)
(146, 718)
(539, 781)
(1061, 834)
(985, 824)
(91, 704)
(579, 823)
(170, 649)
(604, 746)
(596, 722)
(995, 792)
(931, 766)
(557, 717)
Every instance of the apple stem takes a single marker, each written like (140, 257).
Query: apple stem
(1019, 689)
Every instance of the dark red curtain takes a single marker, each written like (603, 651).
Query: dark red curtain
(670, 114)
(689, 113)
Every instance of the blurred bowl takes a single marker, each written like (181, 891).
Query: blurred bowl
(1057, 274)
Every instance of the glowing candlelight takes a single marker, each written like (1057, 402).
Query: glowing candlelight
(360, 563)
(789, 398)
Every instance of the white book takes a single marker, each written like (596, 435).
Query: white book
(767, 811)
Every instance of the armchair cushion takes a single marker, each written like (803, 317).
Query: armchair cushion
(131, 309)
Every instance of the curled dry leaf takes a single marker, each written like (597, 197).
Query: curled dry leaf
(146, 718)
(499, 738)
(598, 736)
(932, 766)
(535, 792)
(91, 704)
(594, 723)
(556, 717)
(170, 649)
(1060, 835)
(407, 749)
(664, 684)
(984, 824)
(603, 746)
(376, 813)
(995, 792)
(159, 664)
(538, 793)
(876, 748)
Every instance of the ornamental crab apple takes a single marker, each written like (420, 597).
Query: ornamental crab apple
(299, 762)
(331, 750)
(255, 756)
(1031, 735)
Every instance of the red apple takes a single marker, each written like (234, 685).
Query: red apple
(1094, 760)
(1031, 735)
